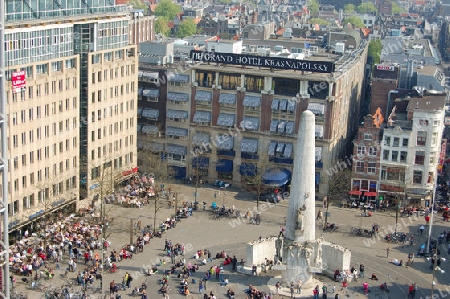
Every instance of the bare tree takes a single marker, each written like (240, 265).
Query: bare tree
(161, 173)
(254, 180)
(337, 189)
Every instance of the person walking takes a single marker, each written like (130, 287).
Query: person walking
(281, 234)
(112, 287)
(387, 251)
(319, 215)
(200, 287)
(277, 287)
(291, 288)
(299, 287)
(361, 270)
(324, 289)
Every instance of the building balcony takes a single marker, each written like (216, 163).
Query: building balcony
(229, 153)
(281, 160)
(250, 156)
(319, 164)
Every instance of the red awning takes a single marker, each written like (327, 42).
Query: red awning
(370, 194)
(355, 192)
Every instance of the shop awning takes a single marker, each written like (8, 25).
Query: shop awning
(290, 127)
(291, 105)
(224, 165)
(283, 105)
(179, 172)
(202, 117)
(251, 101)
(355, 192)
(274, 125)
(150, 129)
(226, 120)
(178, 132)
(247, 169)
(171, 77)
(249, 145)
(200, 162)
(275, 104)
(177, 96)
(224, 142)
(201, 138)
(370, 194)
(176, 149)
(316, 108)
(250, 123)
(317, 178)
(203, 96)
(319, 131)
(276, 177)
(177, 114)
(288, 149)
(150, 113)
(227, 98)
(153, 93)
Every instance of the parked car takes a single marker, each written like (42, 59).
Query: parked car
(221, 184)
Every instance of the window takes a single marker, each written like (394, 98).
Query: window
(372, 151)
(385, 155)
(367, 136)
(396, 142)
(361, 150)
(394, 156)
(371, 167)
(205, 79)
(420, 158)
(417, 177)
(430, 178)
(405, 141)
(254, 83)
(393, 174)
(403, 156)
(434, 138)
(435, 123)
(421, 138)
(175, 157)
(423, 122)
(288, 87)
(387, 141)
(229, 81)
(359, 166)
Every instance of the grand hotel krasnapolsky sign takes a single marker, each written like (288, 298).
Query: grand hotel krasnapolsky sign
(263, 61)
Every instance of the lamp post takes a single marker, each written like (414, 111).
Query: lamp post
(430, 228)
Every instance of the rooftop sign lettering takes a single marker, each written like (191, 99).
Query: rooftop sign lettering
(262, 61)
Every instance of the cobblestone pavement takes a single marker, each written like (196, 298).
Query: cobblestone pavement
(202, 231)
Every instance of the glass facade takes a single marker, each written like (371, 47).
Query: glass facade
(41, 9)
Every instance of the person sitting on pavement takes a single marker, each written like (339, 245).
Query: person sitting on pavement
(397, 262)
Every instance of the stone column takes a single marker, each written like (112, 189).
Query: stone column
(300, 218)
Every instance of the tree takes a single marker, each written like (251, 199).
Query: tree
(161, 173)
(374, 51)
(186, 28)
(167, 9)
(138, 4)
(355, 21)
(349, 8)
(396, 9)
(337, 189)
(319, 21)
(313, 6)
(366, 7)
(253, 178)
(162, 26)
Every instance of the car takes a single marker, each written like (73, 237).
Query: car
(221, 184)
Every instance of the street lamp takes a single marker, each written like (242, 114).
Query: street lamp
(435, 268)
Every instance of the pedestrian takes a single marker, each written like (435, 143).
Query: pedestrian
(200, 287)
(324, 289)
(316, 292)
(277, 287)
(281, 234)
(319, 215)
(234, 263)
(112, 287)
(325, 200)
(427, 220)
(292, 289)
(387, 251)
(299, 287)
(334, 289)
(361, 270)
(412, 291)
(205, 279)
(421, 229)
(336, 296)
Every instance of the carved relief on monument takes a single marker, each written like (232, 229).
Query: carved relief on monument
(300, 218)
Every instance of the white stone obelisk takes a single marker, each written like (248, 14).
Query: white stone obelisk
(300, 218)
